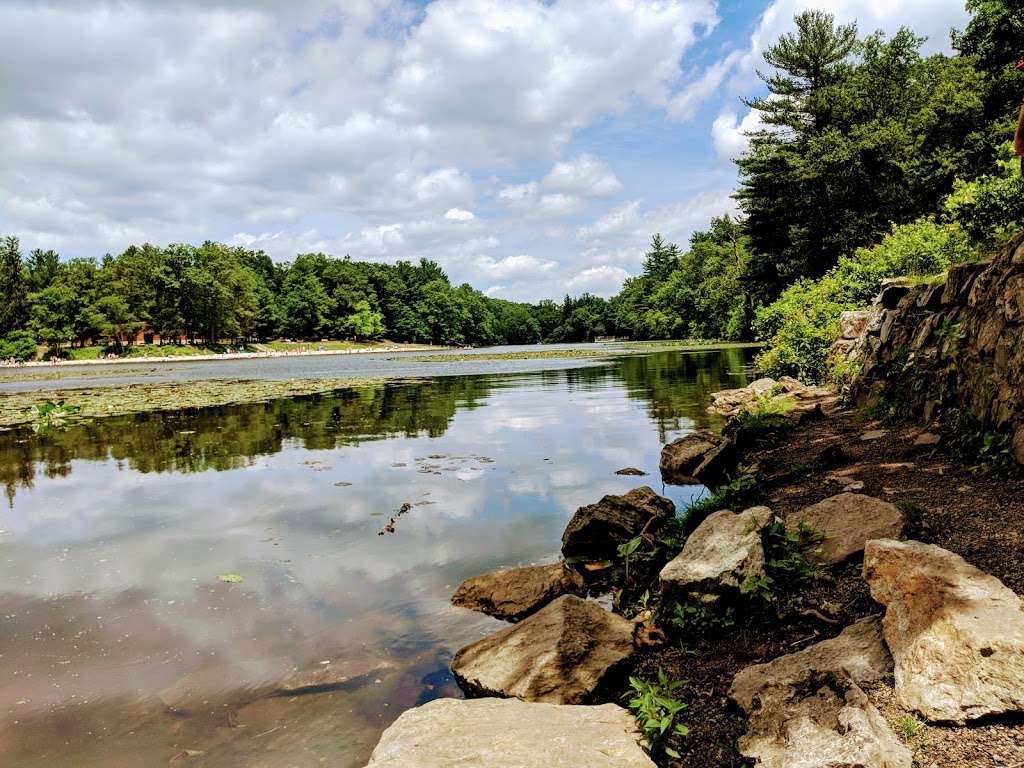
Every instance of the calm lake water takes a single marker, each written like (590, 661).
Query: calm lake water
(121, 645)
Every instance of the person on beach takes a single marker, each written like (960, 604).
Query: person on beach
(1018, 140)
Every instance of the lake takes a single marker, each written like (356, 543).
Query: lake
(164, 576)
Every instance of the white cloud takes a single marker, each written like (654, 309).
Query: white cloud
(685, 104)
(601, 281)
(619, 238)
(584, 175)
(513, 267)
(729, 133)
(622, 220)
(457, 214)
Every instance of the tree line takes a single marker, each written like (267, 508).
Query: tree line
(872, 161)
(214, 293)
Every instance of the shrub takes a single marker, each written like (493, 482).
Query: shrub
(990, 208)
(801, 325)
(20, 345)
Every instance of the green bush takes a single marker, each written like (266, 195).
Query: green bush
(990, 208)
(19, 345)
(802, 324)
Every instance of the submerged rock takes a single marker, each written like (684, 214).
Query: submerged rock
(807, 709)
(506, 733)
(719, 556)
(700, 457)
(331, 674)
(596, 530)
(956, 633)
(515, 593)
(559, 655)
(847, 521)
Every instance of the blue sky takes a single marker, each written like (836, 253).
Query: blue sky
(532, 148)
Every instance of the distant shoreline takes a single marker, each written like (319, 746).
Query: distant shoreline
(214, 356)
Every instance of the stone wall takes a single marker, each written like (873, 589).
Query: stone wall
(956, 344)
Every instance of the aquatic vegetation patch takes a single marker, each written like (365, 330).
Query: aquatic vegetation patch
(56, 406)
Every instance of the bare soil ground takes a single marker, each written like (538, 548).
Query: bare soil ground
(977, 515)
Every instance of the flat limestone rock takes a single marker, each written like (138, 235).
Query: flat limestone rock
(507, 733)
(858, 653)
(719, 556)
(515, 593)
(833, 725)
(807, 709)
(956, 633)
(596, 530)
(559, 655)
(847, 521)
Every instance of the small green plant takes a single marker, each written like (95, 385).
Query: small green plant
(907, 727)
(656, 710)
(786, 554)
(759, 587)
(627, 549)
(694, 617)
(739, 494)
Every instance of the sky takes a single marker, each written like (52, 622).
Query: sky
(531, 148)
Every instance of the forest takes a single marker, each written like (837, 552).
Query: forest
(872, 161)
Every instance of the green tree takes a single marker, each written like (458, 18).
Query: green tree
(43, 267)
(364, 322)
(13, 287)
(52, 315)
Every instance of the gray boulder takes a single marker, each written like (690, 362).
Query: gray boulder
(807, 710)
(515, 593)
(559, 655)
(596, 530)
(956, 633)
(506, 733)
(847, 521)
(719, 556)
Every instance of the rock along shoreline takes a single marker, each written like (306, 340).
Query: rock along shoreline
(813, 612)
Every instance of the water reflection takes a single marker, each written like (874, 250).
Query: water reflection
(120, 645)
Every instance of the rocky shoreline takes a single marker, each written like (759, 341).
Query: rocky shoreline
(826, 606)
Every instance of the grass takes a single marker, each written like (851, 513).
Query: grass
(24, 408)
(907, 727)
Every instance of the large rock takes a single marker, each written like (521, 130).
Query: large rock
(832, 725)
(700, 457)
(847, 521)
(956, 633)
(858, 653)
(596, 530)
(807, 709)
(729, 402)
(559, 655)
(506, 733)
(515, 593)
(719, 556)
